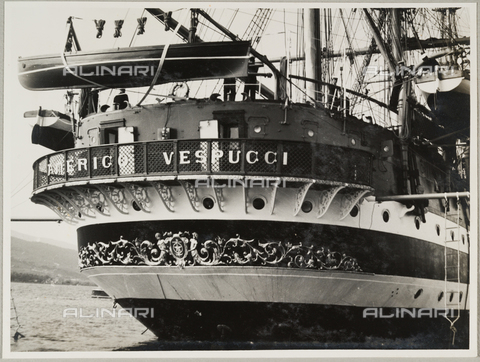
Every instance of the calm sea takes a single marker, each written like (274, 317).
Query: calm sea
(67, 318)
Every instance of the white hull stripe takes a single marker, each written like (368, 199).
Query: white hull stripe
(427, 282)
(130, 60)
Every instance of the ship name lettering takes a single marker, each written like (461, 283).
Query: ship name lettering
(249, 160)
(82, 162)
(216, 155)
(184, 157)
(168, 159)
(104, 161)
(267, 154)
(201, 157)
(230, 157)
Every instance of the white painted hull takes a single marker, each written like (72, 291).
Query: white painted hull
(279, 285)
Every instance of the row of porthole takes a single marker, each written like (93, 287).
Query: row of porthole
(440, 296)
(258, 204)
(386, 218)
(307, 206)
(208, 203)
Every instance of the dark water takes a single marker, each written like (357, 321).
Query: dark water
(66, 318)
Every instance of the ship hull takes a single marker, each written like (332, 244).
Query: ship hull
(230, 313)
(204, 297)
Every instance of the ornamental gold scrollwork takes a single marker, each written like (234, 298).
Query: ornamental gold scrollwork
(116, 195)
(95, 198)
(139, 194)
(184, 249)
(191, 192)
(165, 193)
(219, 195)
(57, 208)
(79, 201)
(349, 200)
(326, 198)
(300, 196)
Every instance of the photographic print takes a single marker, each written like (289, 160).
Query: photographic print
(269, 178)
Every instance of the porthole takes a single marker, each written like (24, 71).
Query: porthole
(460, 297)
(307, 206)
(353, 141)
(79, 215)
(463, 239)
(208, 203)
(135, 206)
(257, 129)
(310, 133)
(417, 223)
(354, 211)
(452, 235)
(437, 228)
(258, 203)
(418, 293)
(451, 297)
(386, 215)
(440, 296)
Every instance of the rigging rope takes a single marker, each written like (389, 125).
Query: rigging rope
(162, 60)
(141, 28)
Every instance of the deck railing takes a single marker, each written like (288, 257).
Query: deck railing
(207, 157)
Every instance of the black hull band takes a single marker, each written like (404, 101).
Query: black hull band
(375, 252)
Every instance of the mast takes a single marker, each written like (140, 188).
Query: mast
(312, 49)
(277, 74)
(402, 91)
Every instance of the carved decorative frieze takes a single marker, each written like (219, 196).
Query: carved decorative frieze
(68, 209)
(326, 198)
(79, 201)
(57, 208)
(219, 195)
(139, 194)
(95, 198)
(349, 200)
(191, 192)
(184, 249)
(116, 195)
(273, 196)
(165, 193)
(300, 196)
